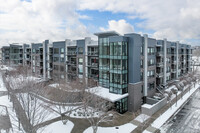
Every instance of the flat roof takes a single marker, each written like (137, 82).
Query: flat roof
(107, 33)
(105, 94)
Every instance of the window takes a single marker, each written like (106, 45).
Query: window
(151, 73)
(62, 59)
(56, 50)
(168, 51)
(55, 67)
(80, 50)
(56, 59)
(151, 62)
(141, 63)
(150, 50)
(80, 69)
(33, 50)
(80, 61)
(62, 50)
(151, 86)
(141, 50)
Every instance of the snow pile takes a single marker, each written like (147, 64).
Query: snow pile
(142, 118)
(126, 128)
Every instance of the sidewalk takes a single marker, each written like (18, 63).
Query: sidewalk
(148, 124)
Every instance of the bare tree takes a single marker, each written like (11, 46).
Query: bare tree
(97, 110)
(29, 110)
(67, 98)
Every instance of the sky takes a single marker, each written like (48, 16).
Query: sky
(28, 21)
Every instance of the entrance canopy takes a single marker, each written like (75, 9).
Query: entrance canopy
(105, 94)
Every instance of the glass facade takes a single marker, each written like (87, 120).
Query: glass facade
(113, 68)
(113, 65)
(122, 105)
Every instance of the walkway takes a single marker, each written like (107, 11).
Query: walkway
(147, 124)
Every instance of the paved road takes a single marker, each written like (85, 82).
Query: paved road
(187, 120)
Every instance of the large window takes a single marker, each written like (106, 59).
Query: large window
(33, 50)
(151, 50)
(122, 105)
(151, 62)
(62, 50)
(80, 61)
(56, 50)
(151, 73)
(80, 50)
(113, 65)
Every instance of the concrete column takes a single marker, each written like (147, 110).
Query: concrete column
(31, 59)
(165, 61)
(87, 41)
(44, 59)
(145, 66)
(177, 59)
(48, 63)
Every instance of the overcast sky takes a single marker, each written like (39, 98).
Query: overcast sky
(26, 21)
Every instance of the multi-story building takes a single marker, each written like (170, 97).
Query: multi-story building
(37, 58)
(137, 65)
(130, 68)
(16, 55)
(5, 55)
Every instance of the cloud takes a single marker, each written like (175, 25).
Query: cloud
(175, 20)
(37, 20)
(120, 26)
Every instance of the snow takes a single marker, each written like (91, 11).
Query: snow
(2, 87)
(54, 85)
(58, 127)
(105, 94)
(142, 118)
(145, 131)
(4, 101)
(165, 116)
(149, 106)
(126, 128)
(4, 67)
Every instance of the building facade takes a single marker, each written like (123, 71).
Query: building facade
(131, 67)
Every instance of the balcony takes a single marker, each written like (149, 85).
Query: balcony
(159, 64)
(94, 53)
(160, 53)
(174, 61)
(92, 64)
(71, 52)
(159, 75)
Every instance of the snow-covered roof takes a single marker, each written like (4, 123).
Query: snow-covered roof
(105, 94)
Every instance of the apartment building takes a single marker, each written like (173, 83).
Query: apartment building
(138, 65)
(130, 68)
(5, 55)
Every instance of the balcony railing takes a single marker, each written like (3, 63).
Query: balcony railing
(93, 53)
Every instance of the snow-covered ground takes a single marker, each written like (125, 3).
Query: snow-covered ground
(165, 116)
(142, 118)
(58, 127)
(53, 128)
(2, 86)
(126, 128)
(4, 68)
